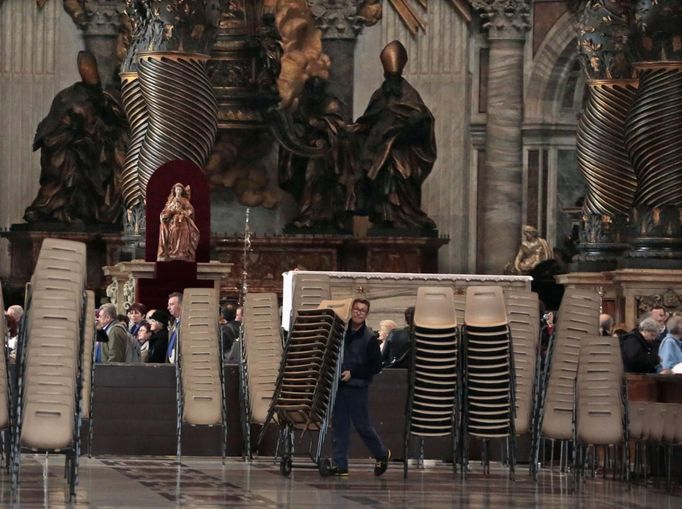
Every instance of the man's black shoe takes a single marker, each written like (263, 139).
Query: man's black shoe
(338, 472)
(381, 465)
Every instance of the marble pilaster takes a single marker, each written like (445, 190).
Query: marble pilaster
(100, 26)
(500, 208)
(340, 24)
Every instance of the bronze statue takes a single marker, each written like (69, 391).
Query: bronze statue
(178, 234)
(398, 148)
(83, 141)
(533, 250)
(322, 183)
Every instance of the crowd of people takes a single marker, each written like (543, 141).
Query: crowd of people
(150, 335)
(141, 335)
(654, 345)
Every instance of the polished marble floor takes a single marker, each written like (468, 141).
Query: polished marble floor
(127, 482)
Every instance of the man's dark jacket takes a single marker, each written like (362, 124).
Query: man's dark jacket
(639, 355)
(361, 355)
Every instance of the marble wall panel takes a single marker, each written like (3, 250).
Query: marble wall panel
(38, 49)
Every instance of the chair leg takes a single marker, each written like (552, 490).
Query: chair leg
(406, 448)
(669, 461)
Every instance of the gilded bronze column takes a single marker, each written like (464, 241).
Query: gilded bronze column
(499, 210)
(133, 183)
(605, 54)
(182, 109)
(167, 96)
(238, 67)
(654, 137)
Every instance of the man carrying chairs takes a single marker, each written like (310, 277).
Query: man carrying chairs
(361, 361)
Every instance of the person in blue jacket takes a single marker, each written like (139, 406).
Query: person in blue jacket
(361, 361)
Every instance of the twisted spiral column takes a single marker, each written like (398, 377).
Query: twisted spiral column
(182, 109)
(654, 140)
(654, 134)
(603, 160)
(134, 182)
(602, 156)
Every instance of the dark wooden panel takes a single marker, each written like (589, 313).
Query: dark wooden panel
(134, 419)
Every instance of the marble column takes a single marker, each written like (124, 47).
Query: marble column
(100, 25)
(500, 186)
(340, 24)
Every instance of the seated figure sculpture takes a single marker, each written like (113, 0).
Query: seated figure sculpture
(178, 234)
(533, 250)
(83, 142)
(397, 149)
(321, 182)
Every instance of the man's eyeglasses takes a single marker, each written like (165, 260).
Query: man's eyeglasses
(360, 310)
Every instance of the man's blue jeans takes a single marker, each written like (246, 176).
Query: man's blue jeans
(351, 405)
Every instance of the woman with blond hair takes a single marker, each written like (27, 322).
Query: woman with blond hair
(385, 328)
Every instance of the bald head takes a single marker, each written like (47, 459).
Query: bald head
(605, 323)
(15, 311)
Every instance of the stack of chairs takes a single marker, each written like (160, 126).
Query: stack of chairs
(87, 358)
(488, 373)
(261, 353)
(578, 317)
(48, 398)
(460, 305)
(311, 289)
(601, 401)
(199, 367)
(4, 386)
(308, 378)
(652, 425)
(433, 385)
(524, 323)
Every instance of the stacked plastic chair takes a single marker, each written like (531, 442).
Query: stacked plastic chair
(48, 398)
(652, 425)
(87, 358)
(311, 289)
(578, 317)
(308, 378)
(601, 401)
(4, 386)
(199, 367)
(488, 373)
(433, 385)
(460, 305)
(672, 435)
(261, 353)
(524, 324)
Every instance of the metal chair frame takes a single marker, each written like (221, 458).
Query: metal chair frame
(285, 442)
(511, 436)
(456, 408)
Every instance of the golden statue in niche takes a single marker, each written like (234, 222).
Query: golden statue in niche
(533, 250)
(178, 234)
